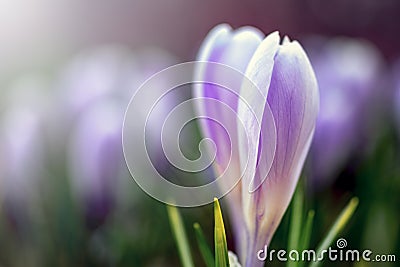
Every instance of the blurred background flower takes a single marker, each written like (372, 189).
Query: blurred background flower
(350, 75)
(95, 160)
(23, 160)
(396, 98)
(23, 128)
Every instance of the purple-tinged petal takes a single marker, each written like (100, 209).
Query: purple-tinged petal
(235, 49)
(294, 100)
(259, 71)
(232, 48)
(287, 83)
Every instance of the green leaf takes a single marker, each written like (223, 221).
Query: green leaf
(205, 250)
(337, 227)
(221, 248)
(178, 230)
(305, 240)
(295, 224)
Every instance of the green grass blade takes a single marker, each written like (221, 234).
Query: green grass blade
(295, 224)
(221, 248)
(205, 250)
(307, 230)
(337, 227)
(178, 230)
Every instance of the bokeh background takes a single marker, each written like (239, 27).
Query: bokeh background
(69, 68)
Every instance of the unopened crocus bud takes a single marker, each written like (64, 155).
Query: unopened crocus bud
(285, 78)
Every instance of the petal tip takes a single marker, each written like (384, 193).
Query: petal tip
(286, 40)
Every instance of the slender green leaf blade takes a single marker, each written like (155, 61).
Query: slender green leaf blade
(205, 250)
(305, 240)
(295, 224)
(178, 230)
(221, 248)
(307, 230)
(337, 227)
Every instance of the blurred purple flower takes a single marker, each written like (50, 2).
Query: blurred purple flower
(105, 73)
(348, 72)
(108, 72)
(22, 148)
(22, 158)
(95, 90)
(95, 158)
(397, 107)
(396, 75)
(284, 74)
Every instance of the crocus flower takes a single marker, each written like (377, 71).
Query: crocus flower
(22, 157)
(95, 90)
(283, 73)
(397, 106)
(397, 94)
(22, 132)
(91, 100)
(348, 72)
(95, 159)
